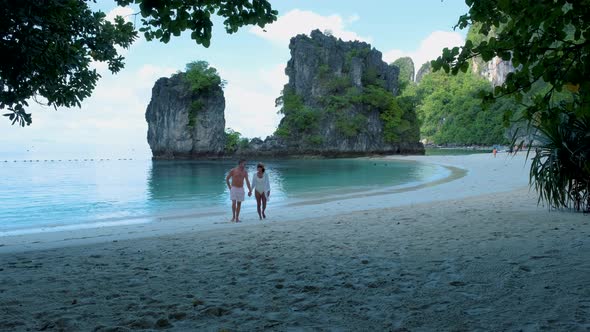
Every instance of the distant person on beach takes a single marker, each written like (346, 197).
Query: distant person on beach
(261, 185)
(494, 151)
(236, 188)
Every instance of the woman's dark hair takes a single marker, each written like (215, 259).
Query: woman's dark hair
(260, 165)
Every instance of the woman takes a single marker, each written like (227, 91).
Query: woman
(261, 185)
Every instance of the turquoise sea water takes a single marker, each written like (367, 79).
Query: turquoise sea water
(56, 193)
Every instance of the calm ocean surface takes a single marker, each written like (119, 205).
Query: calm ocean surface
(56, 193)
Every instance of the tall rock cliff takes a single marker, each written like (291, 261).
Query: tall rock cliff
(494, 70)
(340, 100)
(424, 70)
(406, 69)
(183, 123)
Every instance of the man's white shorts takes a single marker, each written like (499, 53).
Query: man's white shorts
(237, 194)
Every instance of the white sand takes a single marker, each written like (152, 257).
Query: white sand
(475, 253)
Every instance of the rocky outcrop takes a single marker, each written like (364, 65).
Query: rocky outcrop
(326, 109)
(339, 101)
(406, 68)
(494, 70)
(310, 55)
(183, 123)
(423, 71)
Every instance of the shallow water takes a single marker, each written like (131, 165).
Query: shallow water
(50, 193)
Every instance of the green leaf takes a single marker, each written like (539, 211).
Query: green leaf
(465, 67)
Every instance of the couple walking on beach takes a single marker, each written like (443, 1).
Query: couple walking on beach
(260, 183)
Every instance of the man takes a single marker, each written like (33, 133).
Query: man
(236, 188)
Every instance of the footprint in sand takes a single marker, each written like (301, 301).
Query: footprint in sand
(216, 311)
(524, 268)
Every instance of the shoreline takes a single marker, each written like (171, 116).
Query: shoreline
(464, 181)
(448, 174)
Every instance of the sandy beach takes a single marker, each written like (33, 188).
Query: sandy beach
(472, 252)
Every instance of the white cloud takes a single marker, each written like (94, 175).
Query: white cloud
(120, 100)
(301, 21)
(101, 67)
(430, 48)
(352, 18)
(250, 101)
(148, 74)
(124, 12)
(113, 117)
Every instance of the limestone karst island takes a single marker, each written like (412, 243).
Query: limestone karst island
(340, 101)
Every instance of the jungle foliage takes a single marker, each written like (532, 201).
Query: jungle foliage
(349, 106)
(451, 113)
(234, 141)
(201, 77)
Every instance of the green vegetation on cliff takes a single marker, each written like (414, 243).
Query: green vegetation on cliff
(234, 140)
(341, 98)
(298, 117)
(450, 111)
(406, 71)
(355, 53)
(399, 121)
(201, 77)
(442, 108)
(448, 106)
(348, 106)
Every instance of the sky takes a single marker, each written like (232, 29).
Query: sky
(111, 123)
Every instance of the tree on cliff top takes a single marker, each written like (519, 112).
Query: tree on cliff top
(547, 41)
(48, 46)
(201, 76)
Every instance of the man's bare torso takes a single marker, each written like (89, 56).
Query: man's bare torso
(237, 177)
